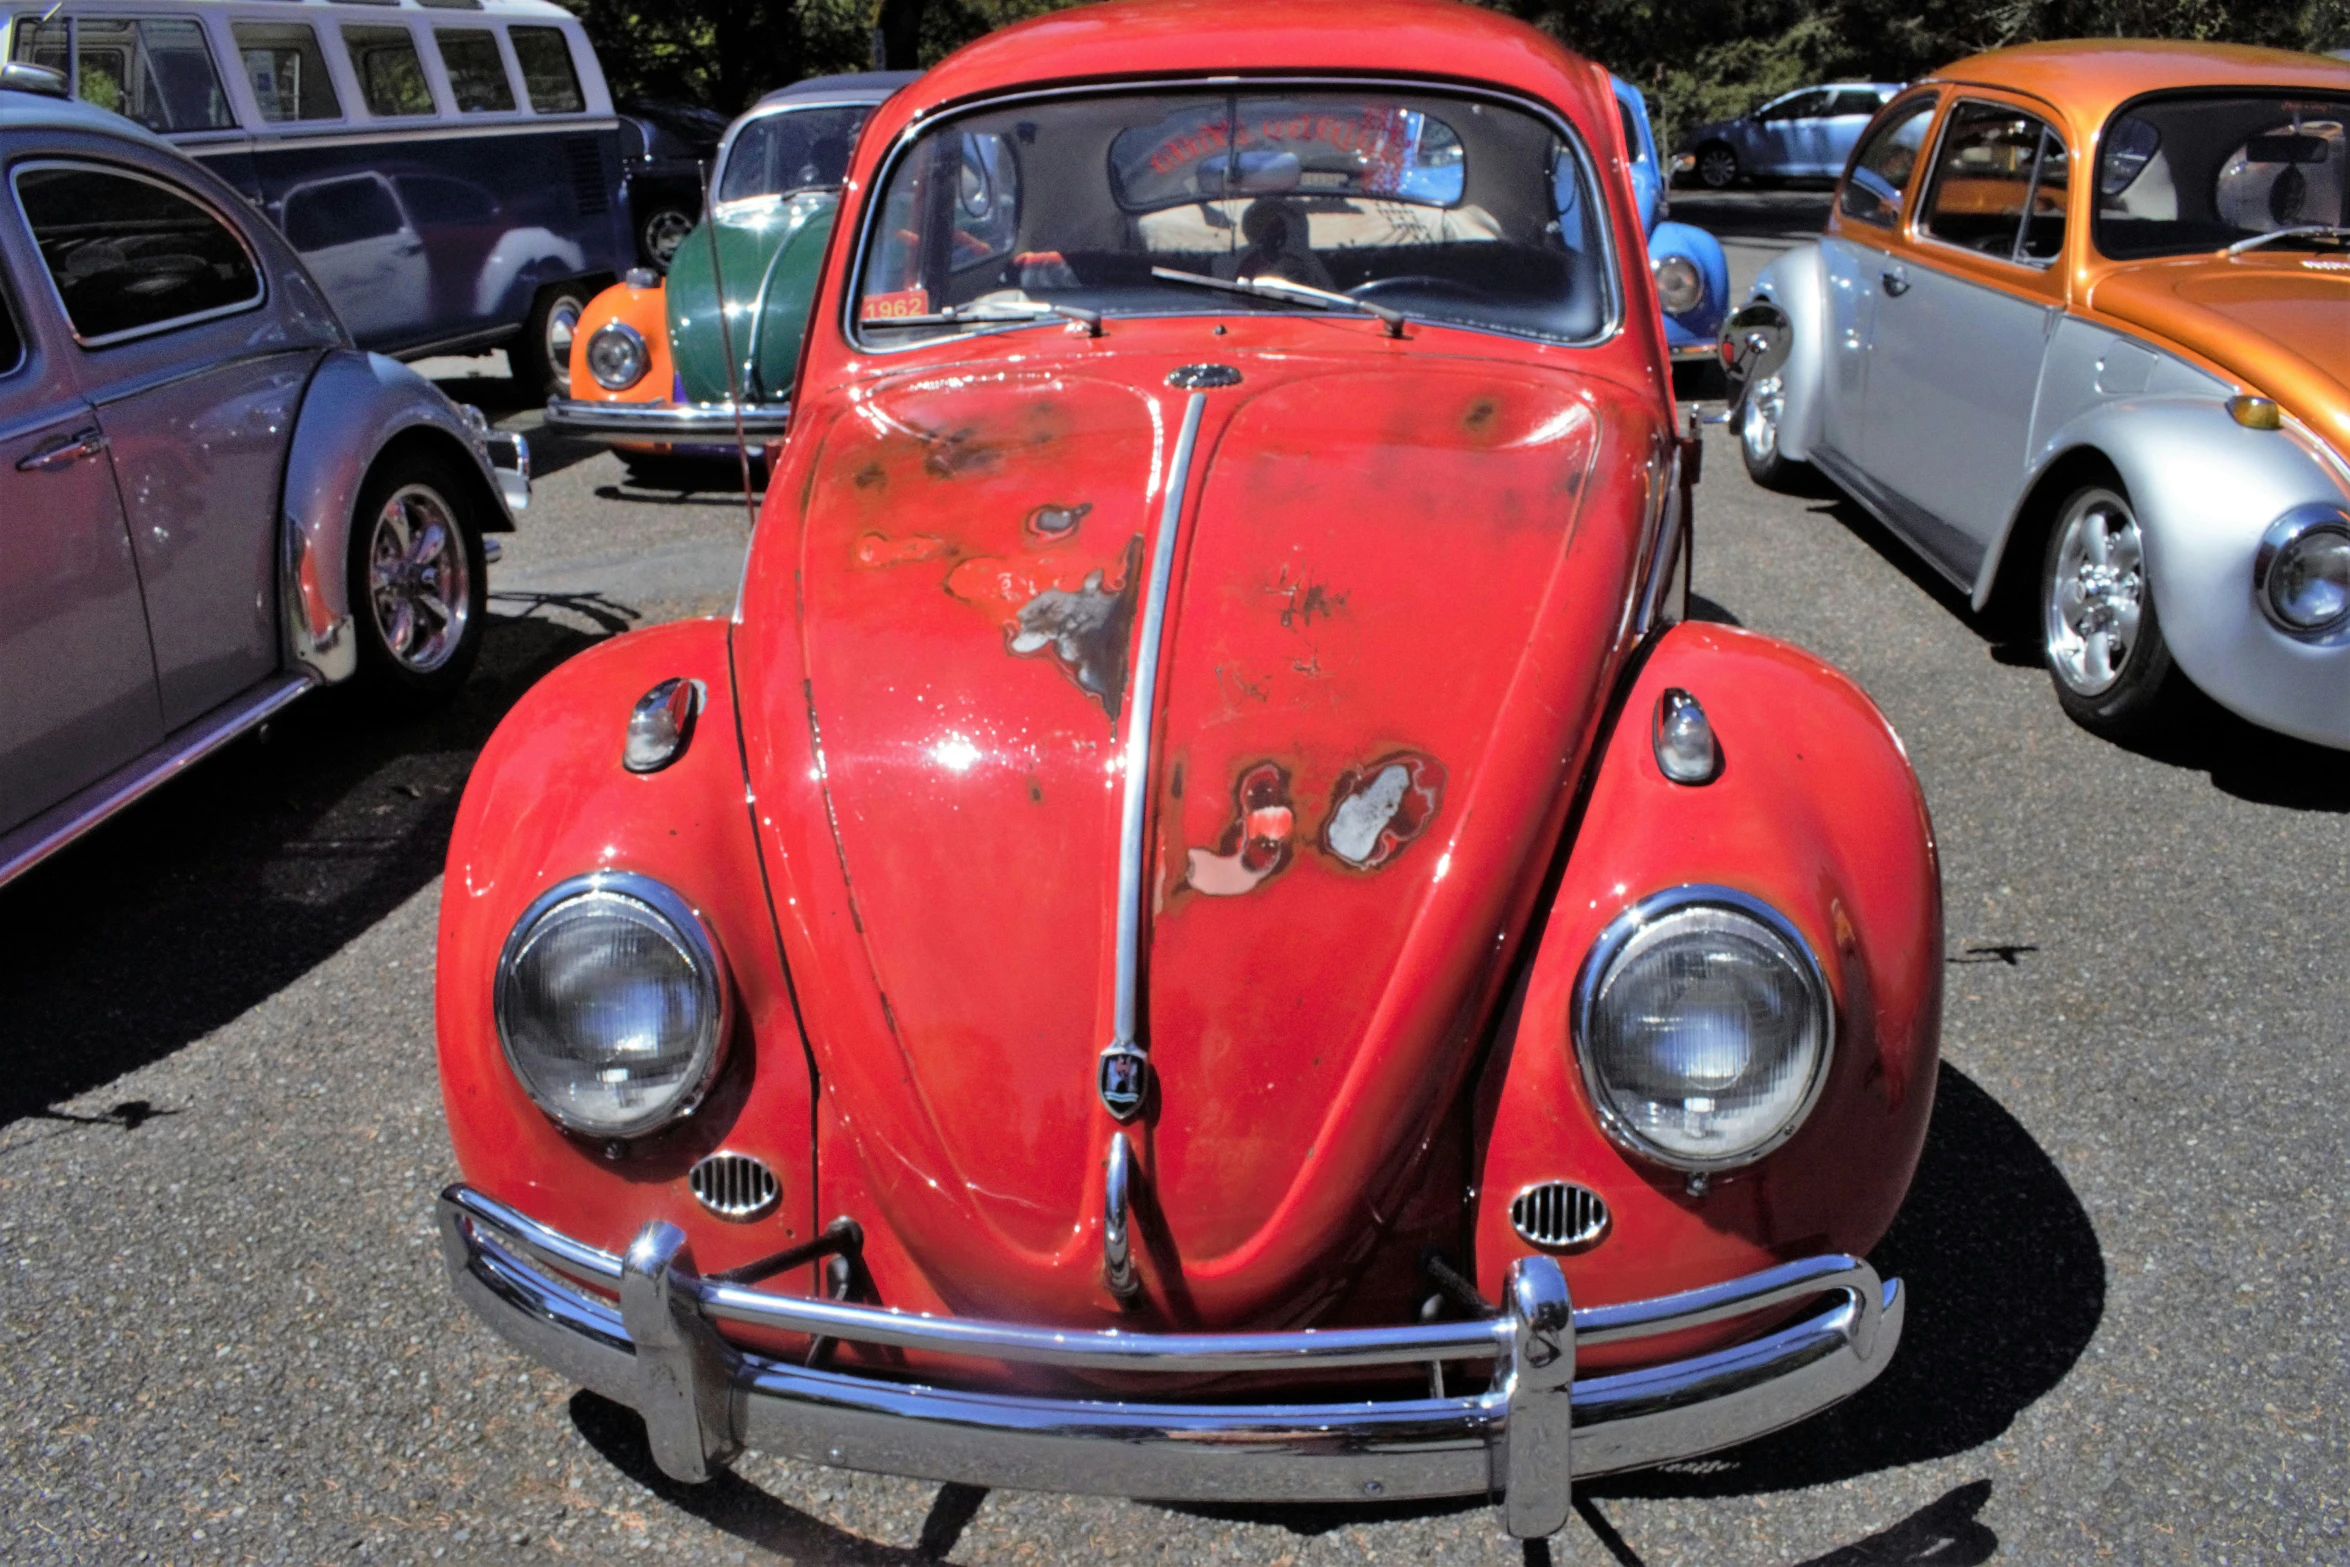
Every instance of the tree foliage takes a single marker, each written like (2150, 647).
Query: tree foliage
(1697, 59)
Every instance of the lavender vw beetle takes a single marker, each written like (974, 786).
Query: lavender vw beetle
(213, 502)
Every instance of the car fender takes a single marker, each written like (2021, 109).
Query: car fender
(356, 405)
(1814, 810)
(1796, 283)
(2205, 488)
(1705, 253)
(549, 800)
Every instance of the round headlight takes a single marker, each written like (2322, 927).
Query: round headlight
(2303, 570)
(1679, 285)
(617, 356)
(1704, 1027)
(610, 1005)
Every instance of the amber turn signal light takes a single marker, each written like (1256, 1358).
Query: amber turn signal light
(2256, 413)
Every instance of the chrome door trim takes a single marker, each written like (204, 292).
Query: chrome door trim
(62, 823)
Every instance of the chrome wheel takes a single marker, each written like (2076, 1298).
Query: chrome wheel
(664, 231)
(419, 583)
(1717, 168)
(1758, 423)
(562, 326)
(2096, 594)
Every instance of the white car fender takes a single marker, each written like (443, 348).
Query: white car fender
(1796, 282)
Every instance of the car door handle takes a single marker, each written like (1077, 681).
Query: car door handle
(64, 453)
(1895, 283)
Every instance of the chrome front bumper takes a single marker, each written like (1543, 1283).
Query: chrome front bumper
(1521, 1443)
(664, 422)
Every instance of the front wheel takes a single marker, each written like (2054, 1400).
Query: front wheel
(418, 580)
(1717, 166)
(1761, 413)
(542, 357)
(2104, 648)
(662, 232)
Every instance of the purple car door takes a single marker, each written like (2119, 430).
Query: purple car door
(77, 682)
(196, 388)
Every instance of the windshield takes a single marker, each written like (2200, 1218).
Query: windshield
(1437, 207)
(781, 154)
(2186, 174)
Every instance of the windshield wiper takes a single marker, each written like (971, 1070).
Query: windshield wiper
(1282, 288)
(2304, 231)
(998, 310)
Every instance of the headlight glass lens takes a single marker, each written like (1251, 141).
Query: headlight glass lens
(1705, 1033)
(617, 357)
(1679, 285)
(609, 1008)
(2309, 583)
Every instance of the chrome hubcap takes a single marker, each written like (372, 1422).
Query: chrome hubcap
(2097, 593)
(419, 582)
(562, 327)
(1766, 400)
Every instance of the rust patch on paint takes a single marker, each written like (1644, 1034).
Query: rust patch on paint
(870, 475)
(879, 549)
(1056, 522)
(1302, 600)
(1257, 845)
(1376, 810)
(1082, 625)
(1478, 418)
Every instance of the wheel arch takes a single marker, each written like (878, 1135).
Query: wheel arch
(359, 410)
(2008, 582)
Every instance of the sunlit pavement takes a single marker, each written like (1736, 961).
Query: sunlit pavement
(224, 1335)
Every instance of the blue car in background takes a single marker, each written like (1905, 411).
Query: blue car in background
(1692, 276)
(1805, 134)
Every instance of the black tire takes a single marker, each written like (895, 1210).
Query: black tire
(420, 658)
(2095, 598)
(661, 231)
(541, 357)
(1717, 165)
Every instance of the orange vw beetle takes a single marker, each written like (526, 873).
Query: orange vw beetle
(2079, 332)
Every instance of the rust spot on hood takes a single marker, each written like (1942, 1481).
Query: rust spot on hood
(1054, 522)
(879, 549)
(1377, 809)
(1083, 623)
(1257, 844)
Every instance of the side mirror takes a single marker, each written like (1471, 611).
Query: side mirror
(1755, 343)
(22, 76)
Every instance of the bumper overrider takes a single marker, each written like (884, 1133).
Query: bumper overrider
(666, 422)
(1521, 1442)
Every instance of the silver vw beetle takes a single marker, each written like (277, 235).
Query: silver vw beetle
(209, 501)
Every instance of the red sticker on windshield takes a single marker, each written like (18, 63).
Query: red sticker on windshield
(888, 307)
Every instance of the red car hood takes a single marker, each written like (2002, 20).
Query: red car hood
(1395, 604)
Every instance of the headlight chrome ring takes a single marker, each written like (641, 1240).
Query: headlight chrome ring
(617, 356)
(612, 1005)
(2301, 571)
(1680, 287)
(1689, 1078)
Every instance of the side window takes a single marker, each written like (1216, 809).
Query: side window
(11, 340)
(547, 73)
(477, 72)
(1887, 161)
(1854, 101)
(130, 254)
(1994, 171)
(288, 71)
(156, 71)
(41, 43)
(391, 74)
(339, 212)
(1796, 106)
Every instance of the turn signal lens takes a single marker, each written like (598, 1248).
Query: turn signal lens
(1684, 739)
(2256, 413)
(1680, 287)
(609, 1004)
(1704, 1028)
(617, 357)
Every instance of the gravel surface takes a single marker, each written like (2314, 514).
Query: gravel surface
(225, 1337)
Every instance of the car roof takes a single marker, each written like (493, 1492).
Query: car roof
(33, 111)
(2089, 78)
(847, 87)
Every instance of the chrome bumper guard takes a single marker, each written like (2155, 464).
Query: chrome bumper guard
(664, 421)
(1520, 1443)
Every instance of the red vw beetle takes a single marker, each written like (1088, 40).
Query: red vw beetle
(1205, 931)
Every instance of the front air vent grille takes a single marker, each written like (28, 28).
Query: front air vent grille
(734, 1185)
(1559, 1216)
(586, 159)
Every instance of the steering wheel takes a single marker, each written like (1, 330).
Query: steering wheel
(1418, 283)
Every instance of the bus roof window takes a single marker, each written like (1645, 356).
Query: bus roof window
(288, 71)
(547, 72)
(391, 76)
(477, 72)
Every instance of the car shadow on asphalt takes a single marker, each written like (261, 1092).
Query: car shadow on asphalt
(2240, 758)
(218, 891)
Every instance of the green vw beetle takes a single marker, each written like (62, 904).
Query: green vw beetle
(650, 361)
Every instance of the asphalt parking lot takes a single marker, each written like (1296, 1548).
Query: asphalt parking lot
(224, 1333)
